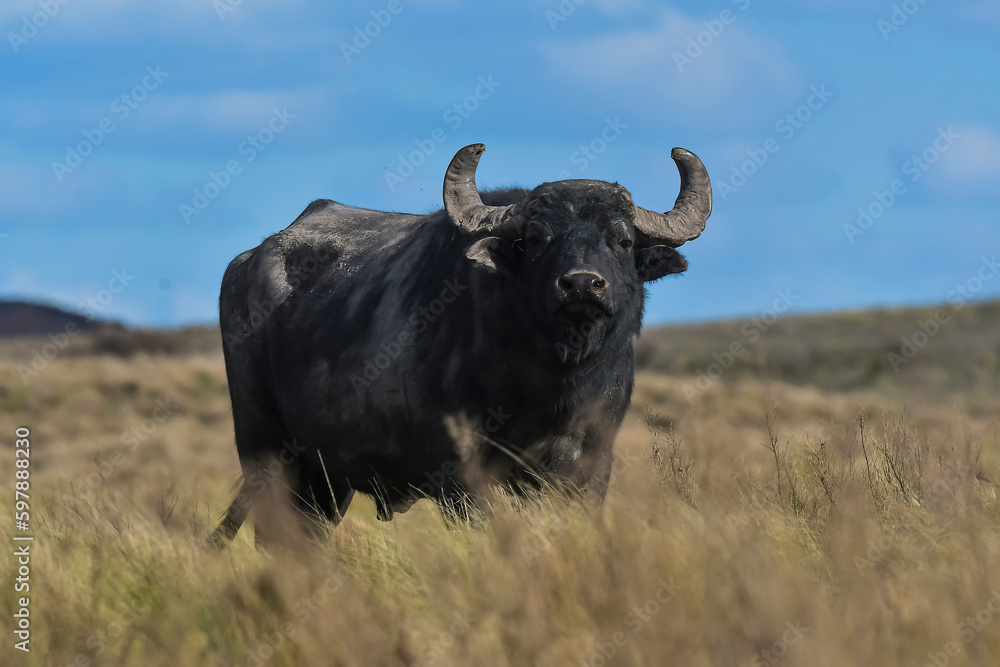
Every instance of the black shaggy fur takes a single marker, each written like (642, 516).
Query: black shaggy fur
(397, 355)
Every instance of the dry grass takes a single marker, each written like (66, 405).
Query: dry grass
(756, 509)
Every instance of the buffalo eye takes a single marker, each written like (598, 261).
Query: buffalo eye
(536, 236)
(619, 236)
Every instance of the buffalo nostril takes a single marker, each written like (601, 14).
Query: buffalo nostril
(581, 282)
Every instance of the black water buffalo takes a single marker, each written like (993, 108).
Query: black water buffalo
(409, 356)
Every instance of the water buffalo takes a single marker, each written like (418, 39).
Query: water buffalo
(408, 356)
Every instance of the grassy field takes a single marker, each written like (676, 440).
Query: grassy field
(756, 518)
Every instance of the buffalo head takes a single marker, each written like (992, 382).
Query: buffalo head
(579, 251)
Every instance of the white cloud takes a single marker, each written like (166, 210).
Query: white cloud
(31, 188)
(261, 23)
(972, 164)
(85, 12)
(667, 62)
(619, 7)
(606, 7)
(825, 6)
(985, 12)
(232, 109)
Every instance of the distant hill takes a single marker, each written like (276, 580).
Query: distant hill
(22, 319)
(28, 327)
(938, 348)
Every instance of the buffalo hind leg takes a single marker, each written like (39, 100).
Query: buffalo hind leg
(260, 438)
(233, 519)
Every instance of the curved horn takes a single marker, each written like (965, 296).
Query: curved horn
(686, 221)
(461, 196)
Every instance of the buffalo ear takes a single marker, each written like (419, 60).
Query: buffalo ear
(492, 254)
(657, 261)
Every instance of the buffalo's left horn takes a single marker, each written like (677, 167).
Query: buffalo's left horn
(461, 196)
(686, 221)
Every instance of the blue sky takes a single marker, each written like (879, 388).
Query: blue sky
(163, 94)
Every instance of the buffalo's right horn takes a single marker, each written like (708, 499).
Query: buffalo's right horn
(462, 201)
